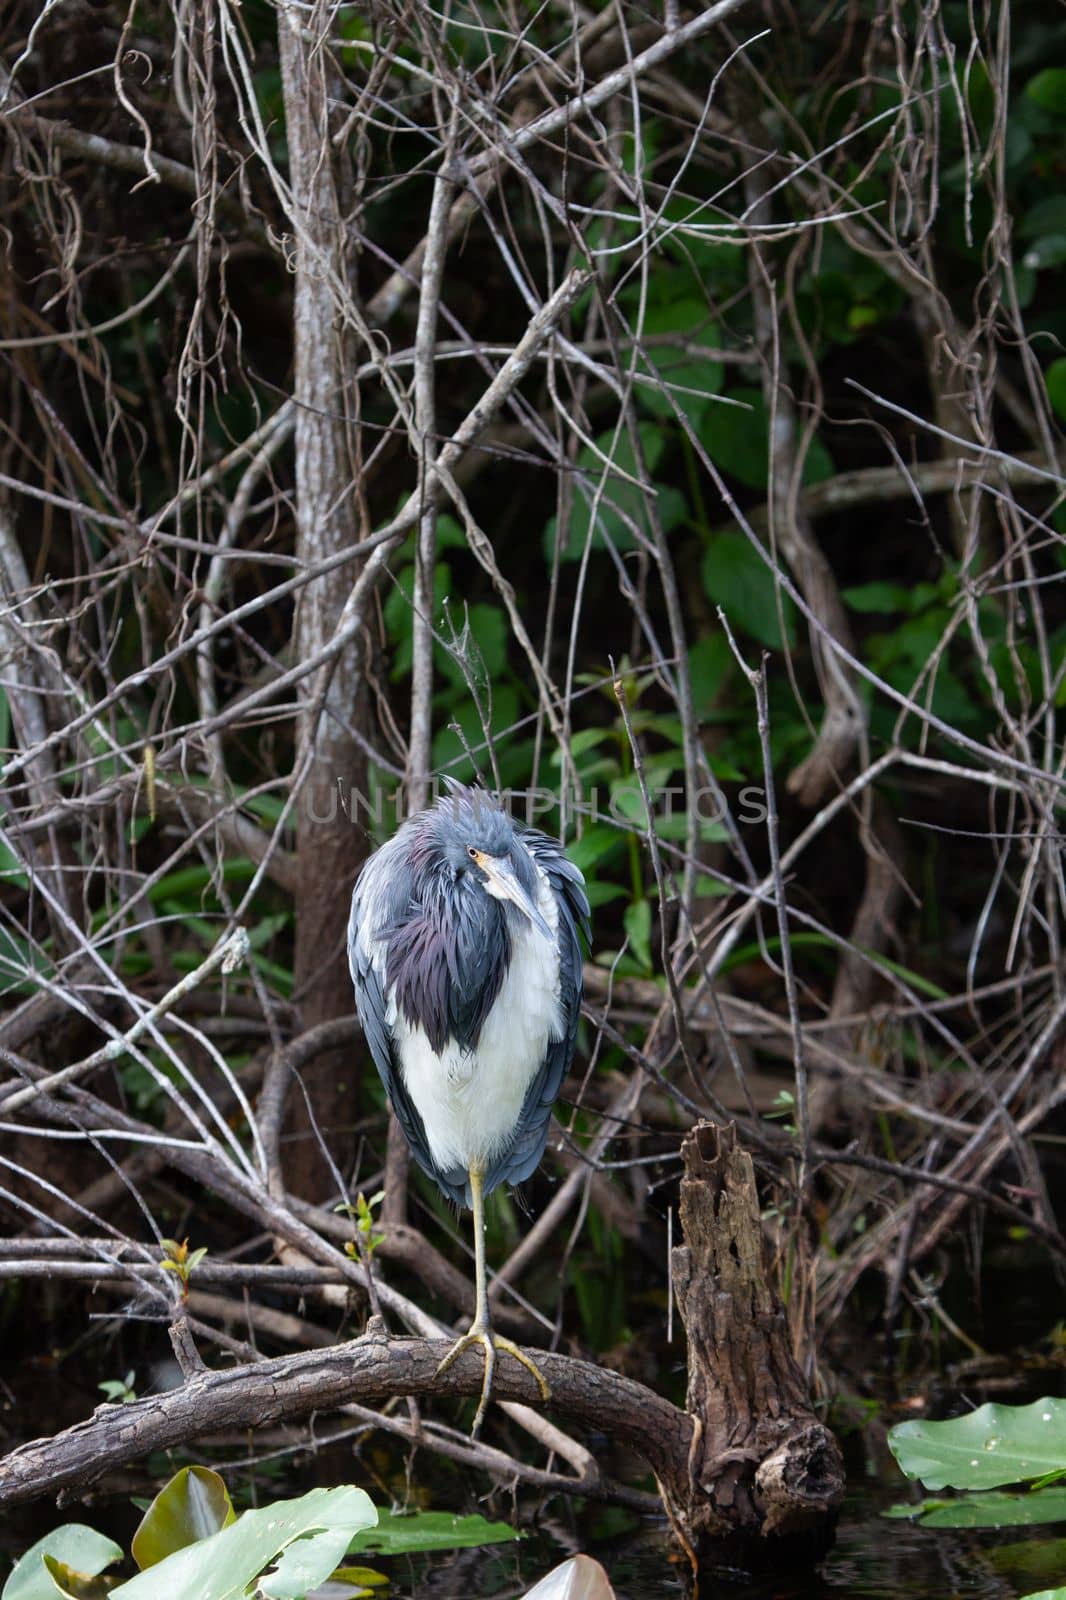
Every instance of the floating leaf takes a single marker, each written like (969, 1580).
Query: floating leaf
(361, 1578)
(994, 1509)
(193, 1505)
(986, 1448)
(397, 1534)
(222, 1567)
(74, 1546)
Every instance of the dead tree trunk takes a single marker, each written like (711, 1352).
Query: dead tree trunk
(329, 846)
(760, 1460)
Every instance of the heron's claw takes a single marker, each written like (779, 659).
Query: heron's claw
(491, 1343)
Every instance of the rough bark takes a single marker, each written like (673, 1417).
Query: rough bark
(367, 1370)
(761, 1462)
(329, 848)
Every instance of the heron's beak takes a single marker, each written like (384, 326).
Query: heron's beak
(502, 883)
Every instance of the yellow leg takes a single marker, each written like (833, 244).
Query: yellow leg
(481, 1329)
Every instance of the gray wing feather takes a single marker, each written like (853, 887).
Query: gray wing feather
(522, 1157)
(369, 915)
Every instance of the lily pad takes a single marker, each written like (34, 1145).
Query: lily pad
(193, 1505)
(397, 1534)
(74, 1546)
(988, 1447)
(301, 1541)
(994, 1509)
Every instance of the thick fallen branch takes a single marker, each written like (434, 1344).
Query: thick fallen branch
(369, 1369)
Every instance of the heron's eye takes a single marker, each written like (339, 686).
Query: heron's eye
(471, 852)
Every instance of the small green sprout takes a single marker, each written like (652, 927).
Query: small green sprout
(119, 1391)
(179, 1259)
(363, 1212)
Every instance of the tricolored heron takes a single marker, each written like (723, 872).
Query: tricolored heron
(463, 947)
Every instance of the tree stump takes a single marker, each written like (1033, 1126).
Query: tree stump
(761, 1463)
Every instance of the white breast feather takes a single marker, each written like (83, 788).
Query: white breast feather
(469, 1100)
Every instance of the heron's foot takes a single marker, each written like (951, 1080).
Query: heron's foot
(491, 1343)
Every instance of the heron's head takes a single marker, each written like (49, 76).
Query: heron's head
(482, 852)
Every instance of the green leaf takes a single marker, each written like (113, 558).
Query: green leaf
(675, 827)
(736, 438)
(19, 960)
(12, 869)
(990, 1446)
(72, 1544)
(305, 1564)
(637, 923)
(1046, 1594)
(915, 979)
(482, 644)
(1055, 378)
(584, 739)
(710, 662)
(222, 1566)
(680, 370)
(601, 894)
(1048, 89)
(736, 578)
(692, 383)
(450, 536)
(1047, 216)
(994, 1509)
(593, 845)
(397, 611)
(620, 498)
(877, 596)
(397, 1534)
(364, 1580)
(193, 883)
(193, 1505)
(1048, 251)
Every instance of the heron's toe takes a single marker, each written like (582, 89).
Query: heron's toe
(491, 1343)
(513, 1350)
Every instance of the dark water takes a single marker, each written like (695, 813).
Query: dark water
(872, 1557)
